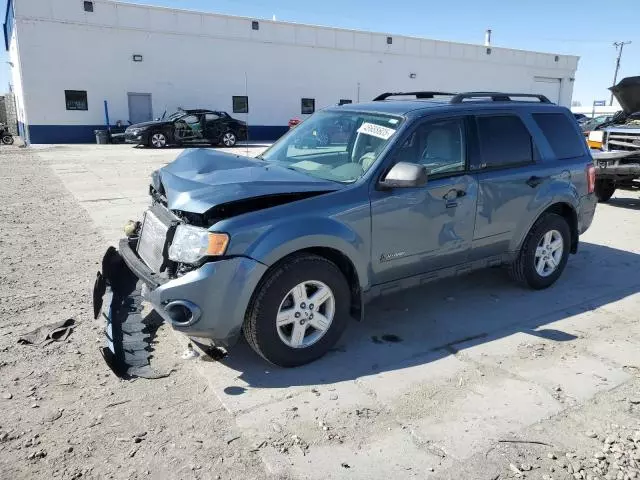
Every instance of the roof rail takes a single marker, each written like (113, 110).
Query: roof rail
(497, 96)
(419, 95)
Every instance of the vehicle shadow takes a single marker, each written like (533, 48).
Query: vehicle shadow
(626, 202)
(425, 324)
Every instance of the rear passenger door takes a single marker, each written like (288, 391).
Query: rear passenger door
(504, 160)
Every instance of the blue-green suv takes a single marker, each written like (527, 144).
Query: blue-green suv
(399, 192)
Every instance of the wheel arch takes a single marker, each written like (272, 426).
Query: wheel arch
(340, 260)
(566, 211)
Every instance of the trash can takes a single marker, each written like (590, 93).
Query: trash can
(102, 137)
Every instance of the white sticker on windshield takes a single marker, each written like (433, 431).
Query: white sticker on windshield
(376, 130)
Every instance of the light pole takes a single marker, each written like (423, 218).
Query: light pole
(619, 46)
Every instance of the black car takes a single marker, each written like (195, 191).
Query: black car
(188, 126)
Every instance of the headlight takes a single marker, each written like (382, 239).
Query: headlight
(191, 244)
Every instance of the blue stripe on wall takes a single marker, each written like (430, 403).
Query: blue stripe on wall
(85, 133)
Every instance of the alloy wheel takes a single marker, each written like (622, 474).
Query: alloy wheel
(549, 253)
(305, 314)
(158, 140)
(229, 139)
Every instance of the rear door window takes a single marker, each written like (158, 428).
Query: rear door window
(504, 141)
(561, 135)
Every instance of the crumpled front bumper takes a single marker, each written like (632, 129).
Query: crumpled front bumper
(215, 296)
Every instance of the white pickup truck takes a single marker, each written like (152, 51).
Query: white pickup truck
(616, 144)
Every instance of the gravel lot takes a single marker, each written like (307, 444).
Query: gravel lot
(471, 378)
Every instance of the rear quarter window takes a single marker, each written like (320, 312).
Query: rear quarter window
(561, 135)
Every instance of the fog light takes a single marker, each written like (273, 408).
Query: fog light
(131, 228)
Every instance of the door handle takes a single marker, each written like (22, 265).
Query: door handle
(534, 181)
(453, 194)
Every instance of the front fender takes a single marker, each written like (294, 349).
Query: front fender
(295, 235)
(554, 192)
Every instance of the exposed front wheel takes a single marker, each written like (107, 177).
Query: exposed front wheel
(158, 140)
(544, 253)
(604, 190)
(298, 312)
(229, 139)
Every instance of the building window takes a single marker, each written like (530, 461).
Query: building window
(76, 99)
(308, 106)
(344, 101)
(88, 7)
(255, 25)
(240, 104)
(389, 40)
(488, 51)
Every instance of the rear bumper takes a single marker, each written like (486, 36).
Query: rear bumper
(586, 211)
(216, 295)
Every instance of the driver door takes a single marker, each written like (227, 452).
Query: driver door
(424, 229)
(189, 128)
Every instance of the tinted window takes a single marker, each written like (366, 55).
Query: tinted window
(504, 140)
(561, 134)
(439, 146)
(76, 99)
(240, 104)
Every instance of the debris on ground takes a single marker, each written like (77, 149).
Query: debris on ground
(46, 334)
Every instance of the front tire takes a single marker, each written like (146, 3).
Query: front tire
(298, 312)
(229, 139)
(604, 190)
(157, 140)
(544, 252)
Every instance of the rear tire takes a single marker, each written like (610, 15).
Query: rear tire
(281, 313)
(542, 259)
(604, 190)
(229, 139)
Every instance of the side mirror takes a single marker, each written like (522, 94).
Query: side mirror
(405, 175)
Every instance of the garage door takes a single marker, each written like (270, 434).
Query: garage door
(547, 86)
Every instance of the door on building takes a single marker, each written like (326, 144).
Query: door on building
(547, 86)
(140, 107)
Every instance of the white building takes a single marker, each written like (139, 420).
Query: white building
(70, 56)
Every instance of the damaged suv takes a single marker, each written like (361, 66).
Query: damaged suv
(617, 142)
(286, 247)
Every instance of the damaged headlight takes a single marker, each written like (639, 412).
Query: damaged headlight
(191, 244)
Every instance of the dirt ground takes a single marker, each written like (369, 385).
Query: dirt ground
(64, 414)
(501, 383)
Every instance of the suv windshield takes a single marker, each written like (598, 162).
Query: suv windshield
(337, 146)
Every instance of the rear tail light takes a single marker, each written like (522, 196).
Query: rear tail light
(591, 178)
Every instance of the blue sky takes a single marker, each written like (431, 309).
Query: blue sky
(578, 27)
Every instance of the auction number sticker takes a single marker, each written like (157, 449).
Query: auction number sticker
(376, 130)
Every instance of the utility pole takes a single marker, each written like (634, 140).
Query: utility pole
(619, 46)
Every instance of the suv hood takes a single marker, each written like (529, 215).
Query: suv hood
(627, 92)
(199, 180)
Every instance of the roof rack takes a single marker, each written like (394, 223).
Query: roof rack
(419, 95)
(497, 96)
